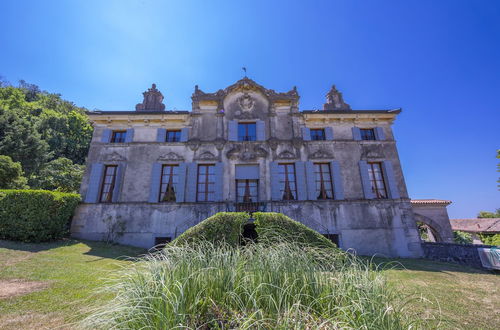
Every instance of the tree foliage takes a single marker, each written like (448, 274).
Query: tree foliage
(11, 174)
(485, 214)
(60, 174)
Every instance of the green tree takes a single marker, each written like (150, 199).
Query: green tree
(11, 174)
(61, 174)
(485, 214)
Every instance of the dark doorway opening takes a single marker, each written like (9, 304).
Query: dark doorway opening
(333, 237)
(160, 242)
(249, 234)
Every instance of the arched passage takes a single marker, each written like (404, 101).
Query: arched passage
(429, 229)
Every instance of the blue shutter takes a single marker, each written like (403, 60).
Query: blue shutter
(120, 171)
(261, 130)
(275, 181)
(338, 185)
(356, 134)
(306, 134)
(154, 185)
(300, 177)
(219, 178)
(365, 180)
(95, 178)
(329, 133)
(129, 137)
(184, 134)
(181, 184)
(232, 130)
(161, 135)
(192, 179)
(106, 136)
(311, 181)
(379, 133)
(390, 179)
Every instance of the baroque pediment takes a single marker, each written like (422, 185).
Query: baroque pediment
(207, 155)
(286, 155)
(246, 152)
(320, 154)
(114, 157)
(171, 156)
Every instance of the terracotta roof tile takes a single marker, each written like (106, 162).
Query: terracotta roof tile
(476, 225)
(430, 201)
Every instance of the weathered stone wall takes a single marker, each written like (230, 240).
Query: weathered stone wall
(435, 216)
(465, 254)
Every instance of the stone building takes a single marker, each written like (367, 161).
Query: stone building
(152, 173)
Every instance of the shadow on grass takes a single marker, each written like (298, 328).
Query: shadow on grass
(36, 247)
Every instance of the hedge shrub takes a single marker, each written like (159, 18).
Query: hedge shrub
(222, 227)
(35, 215)
(274, 228)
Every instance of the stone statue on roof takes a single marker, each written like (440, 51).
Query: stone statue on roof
(335, 101)
(153, 100)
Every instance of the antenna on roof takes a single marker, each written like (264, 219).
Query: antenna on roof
(245, 70)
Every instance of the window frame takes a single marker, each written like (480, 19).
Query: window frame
(109, 193)
(172, 175)
(293, 190)
(114, 136)
(314, 137)
(206, 193)
(321, 179)
(374, 182)
(177, 135)
(367, 137)
(247, 182)
(245, 138)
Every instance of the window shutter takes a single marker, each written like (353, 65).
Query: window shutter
(181, 184)
(356, 134)
(106, 136)
(94, 186)
(338, 185)
(311, 181)
(365, 180)
(154, 185)
(329, 133)
(232, 130)
(184, 134)
(261, 130)
(219, 177)
(120, 171)
(129, 137)
(192, 179)
(275, 181)
(390, 179)
(306, 134)
(300, 177)
(379, 133)
(161, 135)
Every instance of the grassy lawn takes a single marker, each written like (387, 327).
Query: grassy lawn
(67, 273)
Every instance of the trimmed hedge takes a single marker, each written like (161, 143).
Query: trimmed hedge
(222, 227)
(35, 215)
(274, 228)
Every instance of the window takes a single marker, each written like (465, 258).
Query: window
(247, 132)
(317, 134)
(206, 183)
(108, 183)
(168, 184)
(247, 190)
(367, 134)
(288, 186)
(173, 136)
(377, 180)
(118, 136)
(324, 186)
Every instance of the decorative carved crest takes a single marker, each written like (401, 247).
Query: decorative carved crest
(246, 102)
(207, 155)
(194, 144)
(372, 152)
(286, 155)
(335, 100)
(153, 99)
(273, 143)
(246, 152)
(171, 156)
(320, 154)
(114, 157)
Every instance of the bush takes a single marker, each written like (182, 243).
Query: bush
(274, 228)
(223, 227)
(35, 215)
(461, 237)
(490, 239)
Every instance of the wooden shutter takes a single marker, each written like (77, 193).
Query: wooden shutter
(311, 181)
(184, 134)
(106, 136)
(390, 180)
(120, 172)
(356, 134)
(306, 134)
(219, 178)
(328, 133)
(275, 181)
(300, 178)
(95, 180)
(129, 137)
(181, 183)
(379, 133)
(192, 180)
(338, 185)
(365, 180)
(261, 130)
(161, 135)
(232, 130)
(154, 185)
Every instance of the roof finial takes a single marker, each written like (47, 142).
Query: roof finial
(245, 70)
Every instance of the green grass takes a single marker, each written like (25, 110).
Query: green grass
(466, 297)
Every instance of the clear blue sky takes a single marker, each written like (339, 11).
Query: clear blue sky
(438, 60)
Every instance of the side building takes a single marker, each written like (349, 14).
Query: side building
(151, 173)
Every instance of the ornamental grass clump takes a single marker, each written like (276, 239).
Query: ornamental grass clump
(282, 286)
